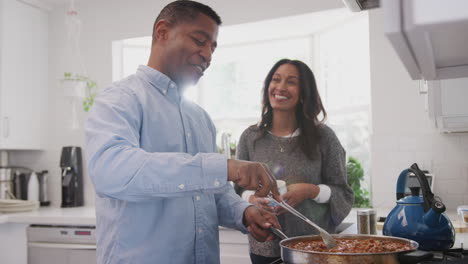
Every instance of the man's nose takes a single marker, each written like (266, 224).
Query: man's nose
(206, 53)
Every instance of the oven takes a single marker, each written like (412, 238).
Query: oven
(50, 244)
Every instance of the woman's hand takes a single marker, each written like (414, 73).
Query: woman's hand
(261, 203)
(299, 192)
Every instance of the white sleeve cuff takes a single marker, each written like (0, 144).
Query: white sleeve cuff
(246, 195)
(324, 194)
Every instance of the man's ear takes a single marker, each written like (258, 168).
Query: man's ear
(161, 30)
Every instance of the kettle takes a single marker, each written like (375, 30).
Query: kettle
(421, 219)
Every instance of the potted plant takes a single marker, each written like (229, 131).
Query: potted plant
(355, 174)
(80, 86)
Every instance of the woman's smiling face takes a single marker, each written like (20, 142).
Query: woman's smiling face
(284, 88)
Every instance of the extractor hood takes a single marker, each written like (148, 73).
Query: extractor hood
(359, 5)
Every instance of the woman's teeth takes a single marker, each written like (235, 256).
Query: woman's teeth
(280, 97)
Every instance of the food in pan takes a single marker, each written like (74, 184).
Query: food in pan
(351, 246)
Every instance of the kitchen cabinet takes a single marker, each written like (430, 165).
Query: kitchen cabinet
(429, 36)
(13, 244)
(447, 104)
(23, 75)
(233, 246)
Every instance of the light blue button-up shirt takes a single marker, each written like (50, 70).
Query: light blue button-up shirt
(161, 187)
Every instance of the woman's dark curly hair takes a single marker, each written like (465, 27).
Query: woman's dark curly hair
(307, 110)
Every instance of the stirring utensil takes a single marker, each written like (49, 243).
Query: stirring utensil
(278, 232)
(328, 240)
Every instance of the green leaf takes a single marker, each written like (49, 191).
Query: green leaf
(355, 174)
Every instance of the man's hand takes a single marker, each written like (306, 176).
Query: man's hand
(258, 221)
(253, 176)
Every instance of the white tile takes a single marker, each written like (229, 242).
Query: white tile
(465, 199)
(450, 187)
(448, 172)
(424, 160)
(458, 155)
(444, 141)
(452, 201)
(464, 140)
(384, 143)
(398, 158)
(439, 157)
(415, 143)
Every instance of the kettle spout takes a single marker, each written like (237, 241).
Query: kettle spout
(432, 218)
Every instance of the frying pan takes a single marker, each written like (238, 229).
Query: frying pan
(296, 256)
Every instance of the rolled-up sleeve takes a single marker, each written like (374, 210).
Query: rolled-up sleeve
(334, 176)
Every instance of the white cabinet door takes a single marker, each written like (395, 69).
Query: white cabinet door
(23, 75)
(431, 43)
(447, 104)
(234, 247)
(13, 244)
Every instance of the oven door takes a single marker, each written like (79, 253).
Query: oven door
(61, 244)
(50, 253)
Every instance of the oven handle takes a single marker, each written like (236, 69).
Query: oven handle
(62, 245)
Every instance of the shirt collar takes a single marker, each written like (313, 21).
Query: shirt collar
(156, 78)
(296, 133)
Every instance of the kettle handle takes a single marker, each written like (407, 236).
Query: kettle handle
(429, 200)
(401, 184)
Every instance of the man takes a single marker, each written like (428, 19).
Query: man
(161, 189)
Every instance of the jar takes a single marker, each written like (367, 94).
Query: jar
(366, 221)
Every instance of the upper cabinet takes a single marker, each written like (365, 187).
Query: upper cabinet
(429, 36)
(447, 104)
(23, 75)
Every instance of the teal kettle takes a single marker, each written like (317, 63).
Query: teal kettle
(421, 219)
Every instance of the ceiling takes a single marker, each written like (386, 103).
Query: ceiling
(58, 3)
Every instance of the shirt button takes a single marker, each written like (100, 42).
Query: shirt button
(200, 230)
(188, 134)
(216, 183)
(198, 198)
(181, 186)
(165, 92)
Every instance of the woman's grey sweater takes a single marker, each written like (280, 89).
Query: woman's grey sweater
(328, 167)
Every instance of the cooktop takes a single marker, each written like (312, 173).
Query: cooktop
(451, 256)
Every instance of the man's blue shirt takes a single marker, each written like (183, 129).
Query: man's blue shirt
(161, 186)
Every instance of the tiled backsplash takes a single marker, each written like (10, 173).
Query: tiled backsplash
(444, 155)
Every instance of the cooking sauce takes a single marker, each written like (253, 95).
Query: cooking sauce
(351, 246)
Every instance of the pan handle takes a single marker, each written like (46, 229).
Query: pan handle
(414, 257)
(278, 233)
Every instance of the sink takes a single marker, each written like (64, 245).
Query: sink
(343, 226)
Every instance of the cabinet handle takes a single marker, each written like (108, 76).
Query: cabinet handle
(62, 245)
(6, 127)
(423, 87)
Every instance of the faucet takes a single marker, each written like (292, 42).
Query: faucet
(225, 147)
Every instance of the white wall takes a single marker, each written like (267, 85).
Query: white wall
(403, 133)
(103, 22)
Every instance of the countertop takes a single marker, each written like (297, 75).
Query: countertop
(461, 231)
(87, 216)
(53, 216)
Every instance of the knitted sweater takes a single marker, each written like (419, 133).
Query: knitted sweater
(328, 167)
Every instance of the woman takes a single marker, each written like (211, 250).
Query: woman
(300, 150)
